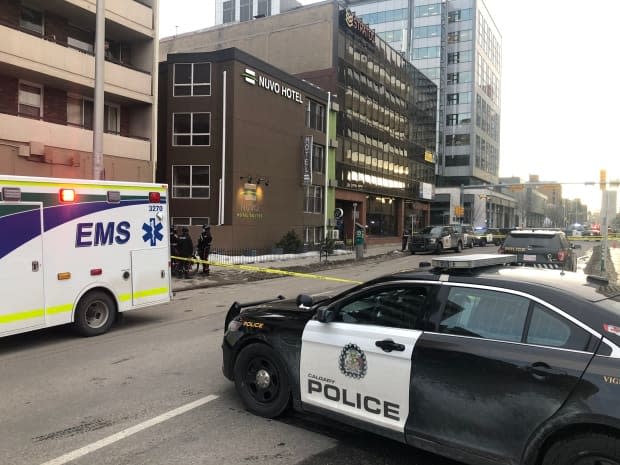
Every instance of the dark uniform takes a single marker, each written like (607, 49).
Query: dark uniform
(204, 246)
(185, 248)
(174, 242)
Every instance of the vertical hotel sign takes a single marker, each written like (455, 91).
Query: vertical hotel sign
(306, 162)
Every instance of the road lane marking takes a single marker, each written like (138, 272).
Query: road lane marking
(76, 454)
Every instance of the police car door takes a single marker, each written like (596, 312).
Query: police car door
(358, 367)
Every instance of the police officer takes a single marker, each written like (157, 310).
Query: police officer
(204, 246)
(174, 242)
(185, 248)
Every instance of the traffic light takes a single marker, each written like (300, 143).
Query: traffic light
(603, 179)
(459, 211)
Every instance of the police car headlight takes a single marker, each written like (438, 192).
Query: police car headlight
(432, 240)
(234, 325)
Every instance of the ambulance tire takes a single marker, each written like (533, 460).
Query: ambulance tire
(262, 381)
(95, 314)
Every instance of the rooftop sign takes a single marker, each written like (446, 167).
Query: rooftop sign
(352, 22)
(252, 77)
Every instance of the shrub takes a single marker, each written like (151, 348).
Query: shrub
(290, 242)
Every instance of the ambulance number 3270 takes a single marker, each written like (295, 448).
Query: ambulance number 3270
(156, 208)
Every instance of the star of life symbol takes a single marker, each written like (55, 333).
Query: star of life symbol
(152, 232)
(352, 362)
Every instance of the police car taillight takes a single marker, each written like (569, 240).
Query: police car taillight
(154, 197)
(67, 195)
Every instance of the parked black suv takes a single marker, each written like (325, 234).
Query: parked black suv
(546, 249)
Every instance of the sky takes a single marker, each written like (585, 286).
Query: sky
(559, 108)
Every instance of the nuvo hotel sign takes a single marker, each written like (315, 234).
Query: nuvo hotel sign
(252, 77)
(306, 162)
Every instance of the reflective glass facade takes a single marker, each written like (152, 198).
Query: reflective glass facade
(386, 128)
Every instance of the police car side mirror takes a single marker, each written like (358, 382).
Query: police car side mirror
(325, 315)
(304, 300)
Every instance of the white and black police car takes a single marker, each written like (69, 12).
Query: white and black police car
(471, 359)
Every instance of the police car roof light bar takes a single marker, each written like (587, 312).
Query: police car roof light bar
(473, 261)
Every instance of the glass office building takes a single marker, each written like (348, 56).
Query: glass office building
(457, 45)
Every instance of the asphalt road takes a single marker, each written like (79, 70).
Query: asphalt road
(151, 391)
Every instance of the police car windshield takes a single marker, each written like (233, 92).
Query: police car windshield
(433, 230)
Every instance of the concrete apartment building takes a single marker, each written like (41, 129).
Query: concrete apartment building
(385, 134)
(47, 69)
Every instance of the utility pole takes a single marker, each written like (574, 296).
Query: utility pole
(99, 94)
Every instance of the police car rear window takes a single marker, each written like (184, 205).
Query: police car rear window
(532, 240)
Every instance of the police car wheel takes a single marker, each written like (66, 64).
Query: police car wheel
(95, 314)
(585, 449)
(261, 381)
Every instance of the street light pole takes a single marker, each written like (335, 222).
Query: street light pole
(99, 94)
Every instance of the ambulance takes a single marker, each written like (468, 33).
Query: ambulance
(80, 252)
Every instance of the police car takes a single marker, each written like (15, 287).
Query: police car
(472, 359)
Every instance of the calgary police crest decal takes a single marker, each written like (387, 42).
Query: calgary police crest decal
(353, 361)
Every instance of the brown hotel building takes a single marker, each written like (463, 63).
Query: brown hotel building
(232, 144)
(385, 132)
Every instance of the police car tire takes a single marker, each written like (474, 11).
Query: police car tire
(601, 448)
(108, 306)
(265, 356)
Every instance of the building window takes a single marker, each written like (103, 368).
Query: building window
(313, 200)
(192, 79)
(459, 15)
(191, 129)
(32, 20)
(191, 181)
(263, 8)
(427, 10)
(426, 52)
(318, 158)
(246, 10)
(457, 140)
(459, 57)
(315, 116)
(80, 111)
(181, 221)
(459, 36)
(459, 78)
(458, 118)
(458, 98)
(313, 234)
(228, 11)
(431, 73)
(29, 99)
(427, 31)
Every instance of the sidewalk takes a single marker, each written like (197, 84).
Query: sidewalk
(222, 275)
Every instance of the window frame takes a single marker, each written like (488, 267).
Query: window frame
(41, 96)
(192, 83)
(191, 185)
(23, 26)
(313, 198)
(191, 134)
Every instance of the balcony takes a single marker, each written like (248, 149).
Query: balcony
(49, 61)
(42, 134)
(135, 15)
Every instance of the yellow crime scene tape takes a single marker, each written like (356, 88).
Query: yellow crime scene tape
(267, 270)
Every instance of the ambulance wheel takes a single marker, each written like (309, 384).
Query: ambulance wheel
(95, 314)
(261, 381)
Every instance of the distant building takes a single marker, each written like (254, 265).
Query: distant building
(457, 45)
(231, 11)
(385, 130)
(47, 69)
